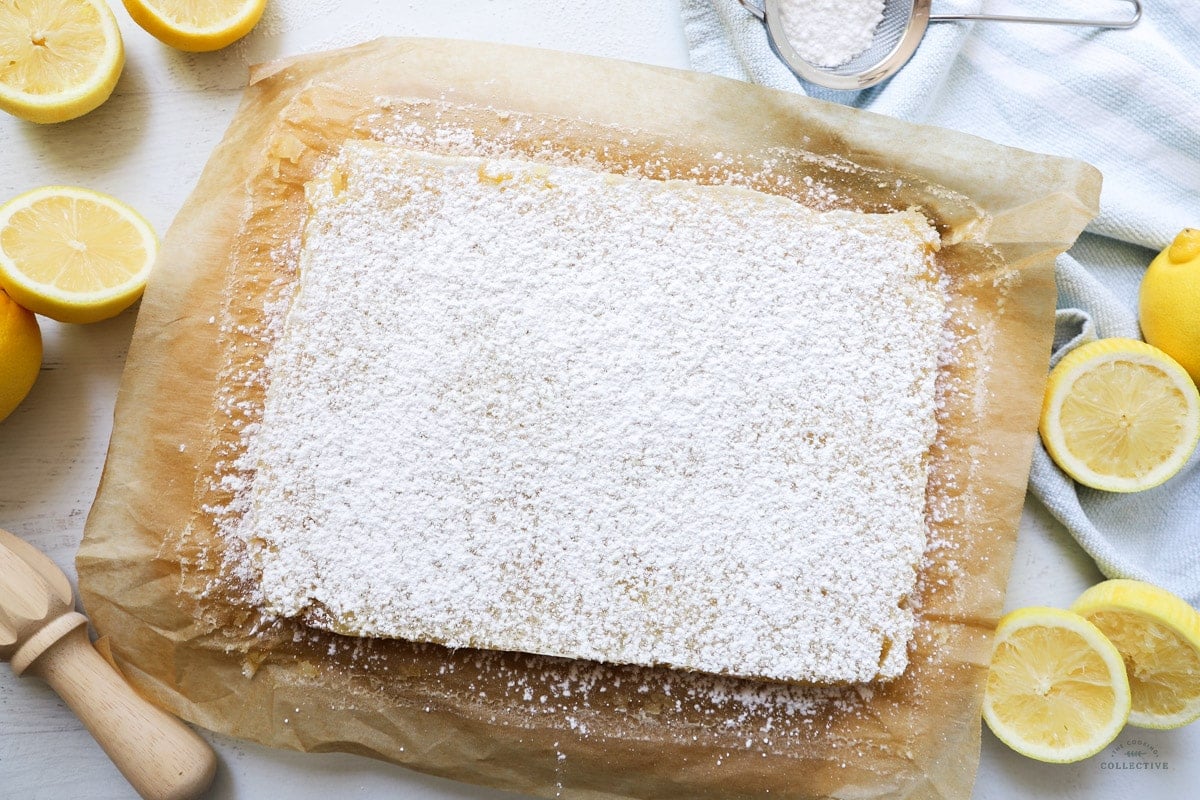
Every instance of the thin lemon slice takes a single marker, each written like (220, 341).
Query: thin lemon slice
(72, 254)
(196, 25)
(1120, 415)
(1158, 635)
(1056, 690)
(59, 59)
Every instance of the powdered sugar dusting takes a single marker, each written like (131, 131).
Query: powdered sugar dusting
(543, 409)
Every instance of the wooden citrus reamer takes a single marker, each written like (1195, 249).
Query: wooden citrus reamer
(41, 634)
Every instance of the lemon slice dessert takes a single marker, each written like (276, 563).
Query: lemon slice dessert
(1056, 690)
(72, 254)
(61, 58)
(1120, 415)
(1158, 635)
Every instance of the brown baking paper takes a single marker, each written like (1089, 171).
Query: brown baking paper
(165, 588)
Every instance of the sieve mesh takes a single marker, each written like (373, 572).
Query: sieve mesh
(896, 14)
(896, 37)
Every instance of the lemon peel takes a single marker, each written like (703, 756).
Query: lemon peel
(1169, 301)
(20, 353)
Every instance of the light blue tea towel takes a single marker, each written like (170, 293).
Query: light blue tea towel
(1127, 101)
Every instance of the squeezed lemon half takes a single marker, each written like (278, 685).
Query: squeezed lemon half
(62, 58)
(196, 25)
(72, 254)
(1120, 415)
(1158, 636)
(1056, 689)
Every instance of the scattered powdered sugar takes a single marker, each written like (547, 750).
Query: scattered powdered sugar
(548, 410)
(828, 33)
(283, 16)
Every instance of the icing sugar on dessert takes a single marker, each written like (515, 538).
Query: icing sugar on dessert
(550, 410)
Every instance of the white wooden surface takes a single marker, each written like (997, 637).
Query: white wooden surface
(147, 145)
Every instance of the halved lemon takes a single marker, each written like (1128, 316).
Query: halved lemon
(1120, 415)
(60, 58)
(1056, 689)
(72, 254)
(1158, 635)
(196, 25)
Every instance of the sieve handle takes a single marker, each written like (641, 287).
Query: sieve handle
(1091, 23)
(755, 9)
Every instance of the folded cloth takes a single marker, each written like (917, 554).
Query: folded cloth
(1127, 101)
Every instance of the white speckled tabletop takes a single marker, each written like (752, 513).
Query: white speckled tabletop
(147, 146)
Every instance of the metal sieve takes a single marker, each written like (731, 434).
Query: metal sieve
(896, 39)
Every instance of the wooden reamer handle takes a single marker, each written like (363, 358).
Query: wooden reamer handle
(160, 756)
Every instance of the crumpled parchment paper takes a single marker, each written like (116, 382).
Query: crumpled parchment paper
(160, 584)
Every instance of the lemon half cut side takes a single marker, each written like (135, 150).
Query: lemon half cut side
(61, 58)
(1056, 690)
(196, 26)
(1120, 415)
(74, 255)
(1158, 636)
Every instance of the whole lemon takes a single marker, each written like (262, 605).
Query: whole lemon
(1169, 302)
(20, 353)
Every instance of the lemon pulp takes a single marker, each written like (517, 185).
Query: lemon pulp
(196, 25)
(62, 58)
(1120, 415)
(1056, 689)
(72, 254)
(1158, 636)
